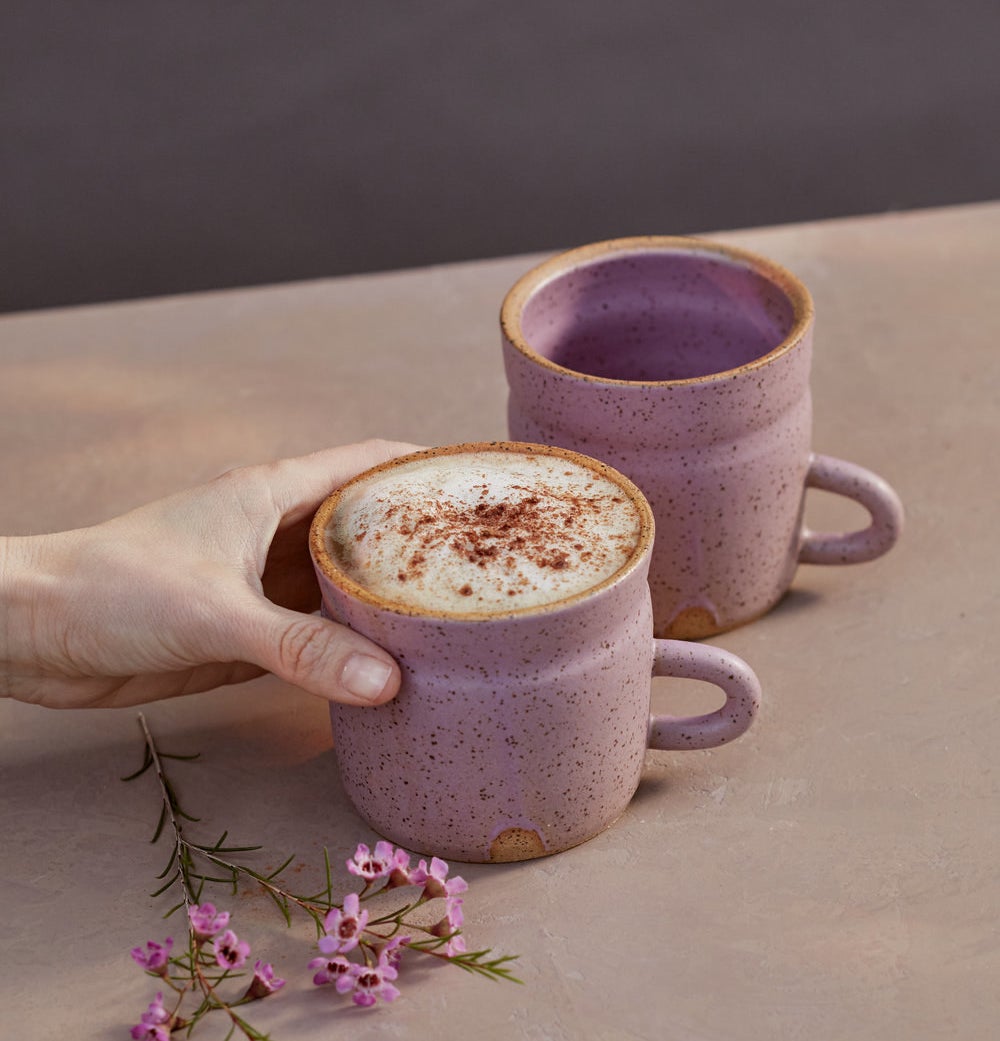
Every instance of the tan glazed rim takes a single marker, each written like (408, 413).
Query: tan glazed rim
(324, 560)
(540, 276)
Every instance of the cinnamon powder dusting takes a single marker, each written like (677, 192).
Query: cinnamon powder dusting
(493, 533)
(507, 535)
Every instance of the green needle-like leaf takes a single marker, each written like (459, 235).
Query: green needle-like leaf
(277, 871)
(147, 762)
(166, 885)
(159, 825)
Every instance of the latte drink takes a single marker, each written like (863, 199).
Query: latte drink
(492, 530)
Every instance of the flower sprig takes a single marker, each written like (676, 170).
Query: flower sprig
(360, 947)
(214, 952)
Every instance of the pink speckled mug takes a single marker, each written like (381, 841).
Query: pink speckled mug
(685, 364)
(509, 581)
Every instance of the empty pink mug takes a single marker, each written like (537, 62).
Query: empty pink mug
(685, 364)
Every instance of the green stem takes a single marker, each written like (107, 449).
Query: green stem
(166, 794)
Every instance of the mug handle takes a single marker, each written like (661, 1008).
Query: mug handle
(864, 487)
(702, 661)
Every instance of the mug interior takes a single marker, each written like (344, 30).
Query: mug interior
(655, 315)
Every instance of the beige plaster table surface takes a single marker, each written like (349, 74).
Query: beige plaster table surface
(833, 874)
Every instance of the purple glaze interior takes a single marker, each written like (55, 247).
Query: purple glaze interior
(647, 316)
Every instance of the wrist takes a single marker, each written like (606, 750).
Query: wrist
(28, 582)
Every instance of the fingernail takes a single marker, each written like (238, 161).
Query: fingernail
(365, 677)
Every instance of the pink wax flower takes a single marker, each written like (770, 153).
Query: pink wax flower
(435, 879)
(392, 952)
(369, 982)
(450, 925)
(264, 981)
(206, 921)
(455, 945)
(230, 951)
(343, 927)
(150, 1032)
(379, 864)
(453, 912)
(154, 1024)
(155, 957)
(330, 969)
(400, 874)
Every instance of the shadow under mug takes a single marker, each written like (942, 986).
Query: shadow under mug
(516, 733)
(685, 365)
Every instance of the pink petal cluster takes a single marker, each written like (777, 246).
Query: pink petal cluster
(344, 927)
(455, 945)
(339, 969)
(435, 879)
(155, 957)
(381, 864)
(264, 981)
(368, 983)
(230, 951)
(450, 925)
(154, 1024)
(206, 921)
(393, 950)
(394, 864)
(330, 969)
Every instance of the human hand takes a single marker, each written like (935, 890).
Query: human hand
(210, 586)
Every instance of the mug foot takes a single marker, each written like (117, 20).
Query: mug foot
(516, 844)
(693, 623)
(698, 623)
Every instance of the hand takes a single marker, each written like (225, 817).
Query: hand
(210, 586)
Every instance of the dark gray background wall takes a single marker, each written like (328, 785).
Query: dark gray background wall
(155, 148)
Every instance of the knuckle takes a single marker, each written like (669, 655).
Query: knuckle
(303, 646)
(233, 476)
(380, 450)
(376, 450)
(376, 445)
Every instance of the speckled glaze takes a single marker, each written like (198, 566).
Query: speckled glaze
(685, 365)
(520, 734)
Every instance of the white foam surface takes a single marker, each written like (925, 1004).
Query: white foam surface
(491, 531)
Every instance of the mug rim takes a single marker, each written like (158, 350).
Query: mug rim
(323, 559)
(517, 297)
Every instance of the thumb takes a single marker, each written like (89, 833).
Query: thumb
(319, 656)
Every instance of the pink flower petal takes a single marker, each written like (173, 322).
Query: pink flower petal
(206, 921)
(264, 981)
(370, 983)
(154, 1023)
(230, 951)
(344, 927)
(332, 970)
(154, 957)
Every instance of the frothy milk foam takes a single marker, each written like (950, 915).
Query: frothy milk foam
(482, 531)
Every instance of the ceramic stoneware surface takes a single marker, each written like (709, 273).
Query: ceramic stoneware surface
(516, 733)
(685, 365)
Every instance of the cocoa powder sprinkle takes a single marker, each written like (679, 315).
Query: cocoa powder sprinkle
(501, 534)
